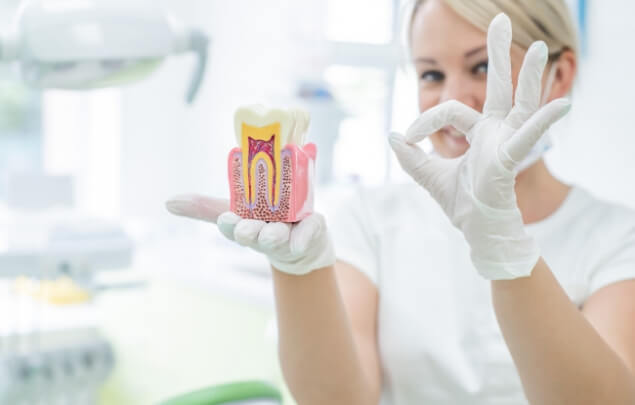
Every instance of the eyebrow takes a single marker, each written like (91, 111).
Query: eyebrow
(467, 54)
(475, 51)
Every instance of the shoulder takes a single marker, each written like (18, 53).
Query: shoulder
(606, 239)
(610, 218)
(586, 228)
(600, 229)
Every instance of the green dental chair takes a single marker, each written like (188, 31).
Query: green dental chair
(240, 393)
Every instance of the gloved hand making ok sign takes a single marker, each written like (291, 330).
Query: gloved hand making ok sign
(476, 190)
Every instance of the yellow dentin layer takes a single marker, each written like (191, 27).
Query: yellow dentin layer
(266, 134)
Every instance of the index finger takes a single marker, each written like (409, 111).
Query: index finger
(197, 206)
(451, 112)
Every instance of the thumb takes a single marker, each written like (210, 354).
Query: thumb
(197, 206)
(304, 232)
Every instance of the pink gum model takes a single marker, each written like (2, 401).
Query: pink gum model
(295, 190)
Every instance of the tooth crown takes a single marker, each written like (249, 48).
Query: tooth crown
(259, 116)
(301, 124)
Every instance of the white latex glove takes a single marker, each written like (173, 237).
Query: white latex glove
(291, 248)
(476, 190)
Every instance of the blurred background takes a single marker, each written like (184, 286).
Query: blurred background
(105, 297)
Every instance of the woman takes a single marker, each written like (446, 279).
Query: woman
(490, 281)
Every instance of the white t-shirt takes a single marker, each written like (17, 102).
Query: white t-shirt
(439, 340)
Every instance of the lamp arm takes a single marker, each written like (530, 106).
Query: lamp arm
(199, 43)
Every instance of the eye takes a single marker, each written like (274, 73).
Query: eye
(480, 68)
(431, 76)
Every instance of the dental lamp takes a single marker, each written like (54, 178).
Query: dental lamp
(86, 44)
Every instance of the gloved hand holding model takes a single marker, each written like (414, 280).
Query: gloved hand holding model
(476, 190)
(271, 185)
(291, 248)
(297, 248)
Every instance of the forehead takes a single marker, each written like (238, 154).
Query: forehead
(439, 30)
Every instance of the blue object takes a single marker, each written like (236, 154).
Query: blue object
(582, 22)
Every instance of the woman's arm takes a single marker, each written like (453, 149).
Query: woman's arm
(559, 355)
(327, 336)
(611, 311)
(326, 313)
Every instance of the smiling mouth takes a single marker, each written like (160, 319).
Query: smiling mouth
(453, 132)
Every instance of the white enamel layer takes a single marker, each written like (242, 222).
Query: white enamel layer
(293, 123)
(302, 120)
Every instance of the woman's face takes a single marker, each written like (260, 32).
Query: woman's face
(450, 58)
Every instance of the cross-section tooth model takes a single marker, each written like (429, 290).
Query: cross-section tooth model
(271, 172)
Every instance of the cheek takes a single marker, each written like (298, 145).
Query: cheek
(480, 93)
(470, 91)
(428, 98)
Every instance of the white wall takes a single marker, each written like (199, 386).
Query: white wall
(81, 137)
(596, 144)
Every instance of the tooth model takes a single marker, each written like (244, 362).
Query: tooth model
(271, 173)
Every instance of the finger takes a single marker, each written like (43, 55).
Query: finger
(226, 223)
(410, 156)
(519, 145)
(303, 233)
(274, 234)
(197, 206)
(451, 112)
(246, 231)
(421, 167)
(529, 89)
(498, 101)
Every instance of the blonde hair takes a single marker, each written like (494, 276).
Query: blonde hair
(546, 20)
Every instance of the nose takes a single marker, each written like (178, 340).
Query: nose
(461, 89)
